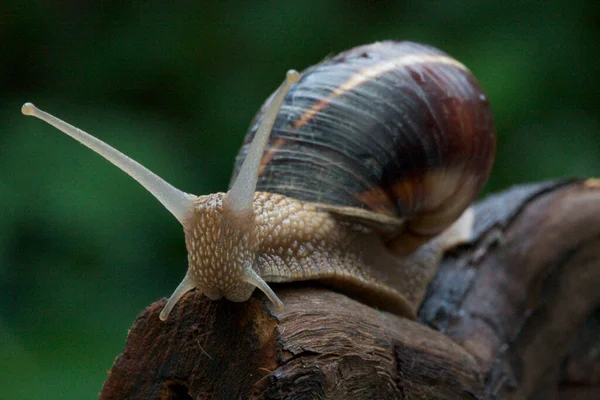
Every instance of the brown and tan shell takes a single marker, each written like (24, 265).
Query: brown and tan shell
(396, 135)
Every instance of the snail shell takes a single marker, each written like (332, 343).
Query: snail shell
(397, 129)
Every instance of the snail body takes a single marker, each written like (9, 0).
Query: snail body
(351, 174)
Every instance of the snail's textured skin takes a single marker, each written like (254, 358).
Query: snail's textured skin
(397, 128)
(287, 240)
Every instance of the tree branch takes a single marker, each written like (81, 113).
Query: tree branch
(514, 314)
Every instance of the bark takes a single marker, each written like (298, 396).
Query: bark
(513, 314)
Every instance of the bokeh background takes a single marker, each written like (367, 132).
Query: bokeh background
(83, 248)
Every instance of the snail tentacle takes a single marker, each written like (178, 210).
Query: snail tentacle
(179, 203)
(241, 195)
(185, 286)
(251, 277)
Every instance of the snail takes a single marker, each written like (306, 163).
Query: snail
(354, 173)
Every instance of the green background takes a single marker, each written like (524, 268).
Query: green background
(83, 248)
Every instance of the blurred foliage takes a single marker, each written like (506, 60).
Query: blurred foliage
(175, 84)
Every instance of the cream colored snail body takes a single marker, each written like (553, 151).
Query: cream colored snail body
(350, 175)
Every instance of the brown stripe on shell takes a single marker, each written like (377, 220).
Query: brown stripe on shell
(269, 153)
(365, 74)
(378, 200)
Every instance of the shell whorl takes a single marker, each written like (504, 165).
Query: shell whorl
(397, 128)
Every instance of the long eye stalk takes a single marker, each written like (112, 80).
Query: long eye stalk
(179, 203)
(241, 195)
